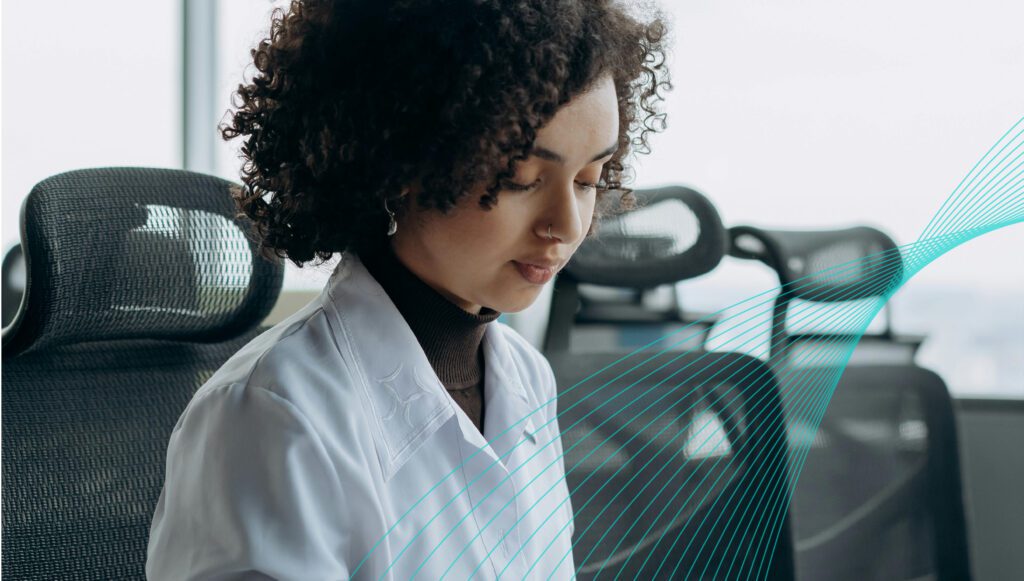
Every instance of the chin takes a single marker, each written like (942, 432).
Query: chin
(513, 303)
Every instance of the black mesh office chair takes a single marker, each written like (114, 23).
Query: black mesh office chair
(797, 256)
(676, 469)
(878, 494)
(139, 284)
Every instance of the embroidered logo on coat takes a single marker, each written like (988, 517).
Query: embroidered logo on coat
(403, 398)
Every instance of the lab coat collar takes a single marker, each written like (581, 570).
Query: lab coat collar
(406, 399)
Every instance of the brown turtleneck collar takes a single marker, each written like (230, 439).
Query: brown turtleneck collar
(451, 337)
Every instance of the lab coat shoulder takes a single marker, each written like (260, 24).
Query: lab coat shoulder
(254, 482)
(299, 360)
(247, 480)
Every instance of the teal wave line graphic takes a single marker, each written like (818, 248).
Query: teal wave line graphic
(754, 416)
(989, 197)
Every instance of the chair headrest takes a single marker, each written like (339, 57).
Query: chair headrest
(674, 234)
(120, 253)
(824, 266)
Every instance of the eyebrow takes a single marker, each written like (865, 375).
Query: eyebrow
(552, 156)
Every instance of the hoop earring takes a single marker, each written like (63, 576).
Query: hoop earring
(392, 225)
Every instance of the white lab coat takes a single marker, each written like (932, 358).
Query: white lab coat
(327, 448)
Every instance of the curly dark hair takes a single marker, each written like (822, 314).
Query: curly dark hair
(354, 100)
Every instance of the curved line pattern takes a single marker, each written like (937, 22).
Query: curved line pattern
(989, 197)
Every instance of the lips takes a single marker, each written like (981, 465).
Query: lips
(536, 273)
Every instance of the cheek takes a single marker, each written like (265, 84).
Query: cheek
(499, 226)
(477, 233)
(587, 212)
(588, 209)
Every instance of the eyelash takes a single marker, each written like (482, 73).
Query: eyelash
(525, 188)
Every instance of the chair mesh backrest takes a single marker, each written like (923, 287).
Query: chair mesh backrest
(879, 493)
(674, 234)
(140, 284)
(85, 431)
(823, 276)
(825, 265)
(685, 479)
(876, 491)
(118, 253)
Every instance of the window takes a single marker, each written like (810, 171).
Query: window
(818, 115)
(797, 115)
(241, 24)
(86, 85)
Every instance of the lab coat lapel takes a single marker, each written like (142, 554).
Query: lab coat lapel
(407, 400)
(509, 414)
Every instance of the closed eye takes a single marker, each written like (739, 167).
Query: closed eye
(513, 186)
(509, 185)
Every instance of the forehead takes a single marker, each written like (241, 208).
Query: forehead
(585, 125)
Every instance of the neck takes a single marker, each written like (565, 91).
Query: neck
(450, 336)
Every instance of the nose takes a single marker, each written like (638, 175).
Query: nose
(562, 216)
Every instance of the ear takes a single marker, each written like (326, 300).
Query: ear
(402, 204)
(413, 187)
(408, 195)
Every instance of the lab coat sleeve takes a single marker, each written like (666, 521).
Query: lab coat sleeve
(249, 493)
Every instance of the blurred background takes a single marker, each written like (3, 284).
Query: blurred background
(785, 114)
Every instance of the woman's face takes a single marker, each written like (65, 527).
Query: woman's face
(501, 258)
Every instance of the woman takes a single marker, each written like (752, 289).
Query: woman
(456, 154)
